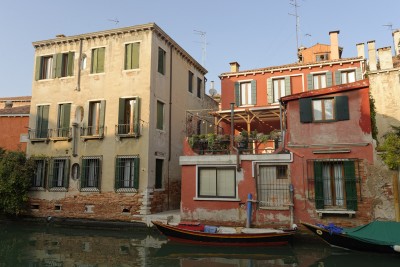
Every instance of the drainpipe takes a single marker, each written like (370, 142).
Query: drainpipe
(169, 124)
(78, 85)
(238, 168)
(75, 139)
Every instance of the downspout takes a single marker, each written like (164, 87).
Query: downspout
(238, 168)
(78, 85)
(169, 124)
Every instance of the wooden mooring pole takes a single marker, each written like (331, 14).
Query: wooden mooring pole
(396, 194)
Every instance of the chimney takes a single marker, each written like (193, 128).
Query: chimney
(396, 41)
(234, 66)
(360, 50)
(371, 55)
(8, 104)
(385, 58)
(334, 45)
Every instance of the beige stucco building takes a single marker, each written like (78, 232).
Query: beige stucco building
(108, 122)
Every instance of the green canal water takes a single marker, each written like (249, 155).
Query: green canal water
(25, 244)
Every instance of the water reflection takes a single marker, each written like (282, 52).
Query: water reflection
(28, 245)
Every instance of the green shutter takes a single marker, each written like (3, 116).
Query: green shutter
(50, 175)
(136, 119)
(237, 93)
(350, 185)
(338, 77)
(288, 86)
(102, 116)
(38, 68)
(270, 93)
(310, 85)
(70, 67)
(342, 108)
(118, 173)
(160, 115)
(305, 110)
(121, 111)
(100, 59)
(128, 56)
(318, 185)
(135, 55)
(161, 59)
(358, 74)
(329, 79)
(137, 171)
(57, 64)
(94, 61)
(43, 121)
(84, 172)
(253, 92)
(66, 173)
(54, 67)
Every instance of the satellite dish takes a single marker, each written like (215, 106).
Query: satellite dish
(212, 92)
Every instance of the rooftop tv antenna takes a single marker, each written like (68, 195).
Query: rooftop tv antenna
(114, 20)
(204, 46)
(296, 6)
(390, 27)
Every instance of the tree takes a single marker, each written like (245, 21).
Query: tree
(391, 148)
(15, 176)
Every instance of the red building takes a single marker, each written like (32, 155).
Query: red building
(279, 133)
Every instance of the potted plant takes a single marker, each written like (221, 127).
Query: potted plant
(242, 140)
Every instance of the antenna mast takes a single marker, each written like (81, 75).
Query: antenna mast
(204, 46)
(297, 22)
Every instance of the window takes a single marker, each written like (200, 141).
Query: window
(64, 63)
(319, 80)
(245, 93)
(333, 183)
(126, 173)
(159, 173)
(217, 182)
(273, 186)
(161, 60)
(132, 56)
(42, 121)
(128, 117)
(199, 87)
(96, 118)
(39, 173)
(160, 115)
(322, 57)
(190, 82)
(98, 60)
(347, 76)
(44, 67)
(324, 109)
(64, 113)
(58, 173)
(277, 88)
(91, 173)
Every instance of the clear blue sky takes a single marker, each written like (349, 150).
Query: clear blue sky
(255, 33)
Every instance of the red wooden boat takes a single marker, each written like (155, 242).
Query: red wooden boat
(224, 236)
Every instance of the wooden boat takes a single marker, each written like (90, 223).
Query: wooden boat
(378, 236)
(224, 236)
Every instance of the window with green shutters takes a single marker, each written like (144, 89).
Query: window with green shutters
(277, 88)
(54, 66)
(42, 122)
(161, 60)
(160, 115)
(319, 80)
(38, 179)
(190, 82)
(129, 117)
(98, 56)
(58, 176)
(334, 183)
(64, 114)
(96, 118)
(324, 109)
(347, 76)
(44, 68)
(246, 93)
(126, 173)
(91, 173)
(199, 87)
(132, 56)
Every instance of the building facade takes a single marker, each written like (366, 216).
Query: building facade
(108, 121)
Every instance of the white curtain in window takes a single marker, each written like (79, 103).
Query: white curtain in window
(338, 176)
(128, 173)
(245, 93)
(92, 174)
(226, 183)
(317, 110)
(328, 105)
(279, 89)
(327, 184)
(59, 172)
(208, 182)
(39, 173)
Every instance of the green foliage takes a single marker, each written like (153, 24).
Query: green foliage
(15, 176)
(391, 148)
(372, 109)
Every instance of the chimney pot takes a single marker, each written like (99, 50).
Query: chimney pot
(234, 66)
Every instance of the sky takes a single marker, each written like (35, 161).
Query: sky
(254, 33)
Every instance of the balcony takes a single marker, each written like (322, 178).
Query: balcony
(38, 135)
(60, 134)
(132, 130)
(92, 132)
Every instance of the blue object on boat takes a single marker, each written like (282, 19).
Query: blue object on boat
(333, 229)
(210, 229)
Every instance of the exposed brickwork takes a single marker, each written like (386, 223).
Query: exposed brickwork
(168, 199)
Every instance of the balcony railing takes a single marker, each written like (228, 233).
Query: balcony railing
(38, 135)
(128, 130)
(92, 132)
(60, 133)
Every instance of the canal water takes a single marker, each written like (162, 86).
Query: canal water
(25, 244)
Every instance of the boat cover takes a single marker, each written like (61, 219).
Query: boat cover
(377, 232)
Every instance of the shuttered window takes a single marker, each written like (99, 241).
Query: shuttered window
(160, 115)
(91, 173)
(42, 121)
(64, 114)
(129, 116)
(190, 82)
(126, 172)
(98, 56)
(38, 179)
(161, 60)
(324, 109)
(97, 111)
(132, 56)
(245, 93)
(319, 80)
(58, 173)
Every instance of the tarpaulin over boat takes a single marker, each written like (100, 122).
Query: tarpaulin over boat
(378, 232)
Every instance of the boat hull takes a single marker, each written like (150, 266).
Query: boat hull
(195, 237)
(347, 242)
